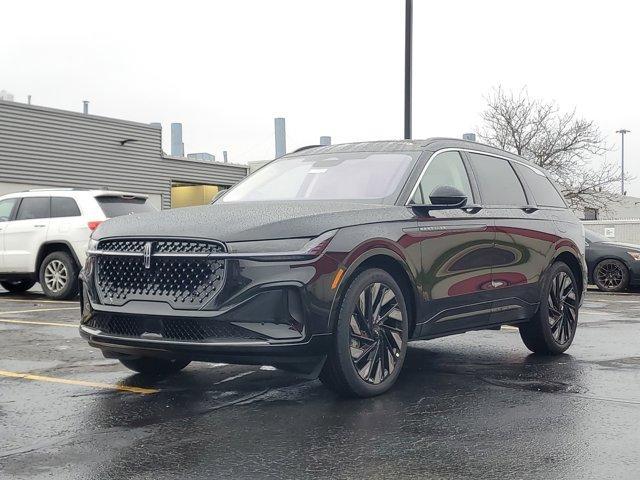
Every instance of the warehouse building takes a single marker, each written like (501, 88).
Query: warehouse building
(48, 148)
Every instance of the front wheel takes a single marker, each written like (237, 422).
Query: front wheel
(553, 327)
(611, 275)
(154, 366)
(19, 286)
(59, 276)
(370, 341)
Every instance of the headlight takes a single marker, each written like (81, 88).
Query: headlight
(634, 255)
(282, 249)
(93, 245)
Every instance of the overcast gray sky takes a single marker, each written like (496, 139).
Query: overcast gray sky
(331, 67)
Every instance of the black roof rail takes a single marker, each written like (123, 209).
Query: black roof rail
(307, 147)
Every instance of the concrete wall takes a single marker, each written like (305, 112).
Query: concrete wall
(56, 148)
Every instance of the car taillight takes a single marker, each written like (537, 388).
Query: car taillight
(93, 225)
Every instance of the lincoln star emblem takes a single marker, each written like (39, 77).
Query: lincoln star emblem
(147, 254)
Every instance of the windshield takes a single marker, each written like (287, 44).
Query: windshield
(372, 177)
(593, 237)
(115, 206)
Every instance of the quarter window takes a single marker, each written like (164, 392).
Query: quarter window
(6, 207)
(33, 207)
(543, 190)
(64, 207)
(498, 183)
(445, 169)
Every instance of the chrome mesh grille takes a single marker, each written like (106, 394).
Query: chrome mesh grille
(182, 281)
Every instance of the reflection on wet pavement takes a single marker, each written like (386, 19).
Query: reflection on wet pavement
(471, 406)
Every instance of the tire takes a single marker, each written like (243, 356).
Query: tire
(552, 329)
(611, 275)
(59, 276)
(18, 286)
(368, 348)
(154, 366)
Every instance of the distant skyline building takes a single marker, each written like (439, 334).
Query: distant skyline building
(281, 137)
(6, 96)
(177, 147)
(202, 156)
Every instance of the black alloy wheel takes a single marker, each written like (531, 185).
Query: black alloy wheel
(371, 337)
(563, 311)
(552, 329)
(611, 275)
(375, 333)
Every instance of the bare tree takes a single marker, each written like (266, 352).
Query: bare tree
(562, 143)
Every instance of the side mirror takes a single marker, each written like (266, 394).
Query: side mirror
(448, 197)
(219, 195)
(443, 197)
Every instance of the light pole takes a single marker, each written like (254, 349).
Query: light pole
(408, 30)
(622, 133)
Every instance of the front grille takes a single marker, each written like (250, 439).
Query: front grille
(170, 328)
(181, 281)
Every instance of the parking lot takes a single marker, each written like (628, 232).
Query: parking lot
(470, 406)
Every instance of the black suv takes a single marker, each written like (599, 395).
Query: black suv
(327, 261)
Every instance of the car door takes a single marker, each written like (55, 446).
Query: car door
(24, 235)
(456, 270)
(7, 208)
(525, 237)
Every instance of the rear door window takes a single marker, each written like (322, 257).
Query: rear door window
(64, 207)
(34, 207)
(498, 183)
(116, 206)
(543, 190)
(445, 169)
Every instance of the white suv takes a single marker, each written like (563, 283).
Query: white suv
(44, 235)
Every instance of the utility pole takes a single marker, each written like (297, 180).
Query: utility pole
(622, 133)
(408, 33)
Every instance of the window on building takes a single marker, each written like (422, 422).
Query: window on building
(498, 183)
(543, 190)
(6, 207)
(64, 207)
(34, 207)
(590, 213)
(446, 169)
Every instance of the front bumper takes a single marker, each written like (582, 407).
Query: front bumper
(274, 313)
(306, 357)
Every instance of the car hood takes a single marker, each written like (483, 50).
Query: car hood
(245, 221)
(628, 246)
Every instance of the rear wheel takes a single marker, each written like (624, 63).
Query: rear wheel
(553, 327)
(154, 366)
(611, 275)
(59, 276)
(370, 342)
(18, 286)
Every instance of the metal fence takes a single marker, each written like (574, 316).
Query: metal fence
(627, 231)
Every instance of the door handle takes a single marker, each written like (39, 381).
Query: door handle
(472, 208)
(529, 209)
(40, 226)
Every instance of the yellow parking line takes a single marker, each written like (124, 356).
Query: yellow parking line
(83, 383)
(34, 322)
(509, 327)
(39, 310)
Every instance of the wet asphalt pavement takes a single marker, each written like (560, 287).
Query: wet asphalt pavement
(471, 406)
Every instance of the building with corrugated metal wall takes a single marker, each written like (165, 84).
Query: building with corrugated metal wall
(48, 148)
